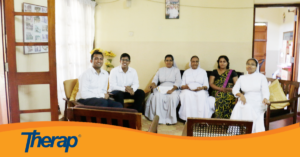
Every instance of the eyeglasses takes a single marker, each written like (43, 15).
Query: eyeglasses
(251, 64)
(125, 60)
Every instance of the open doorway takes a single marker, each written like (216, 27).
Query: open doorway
(274, 40)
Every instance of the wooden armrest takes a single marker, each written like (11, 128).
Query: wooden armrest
(276, 102)
(284, 101)
(76, 103)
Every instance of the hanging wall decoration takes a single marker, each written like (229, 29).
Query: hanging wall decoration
(172, 9)
(35, 28)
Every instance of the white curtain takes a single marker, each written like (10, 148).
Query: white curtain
(75, 31)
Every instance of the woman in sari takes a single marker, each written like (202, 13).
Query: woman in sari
(165, 98)
(221, 81)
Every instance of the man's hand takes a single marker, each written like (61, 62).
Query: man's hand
(131, 92)
(128, 88)
(106, 96)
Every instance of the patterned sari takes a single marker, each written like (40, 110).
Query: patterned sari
(224, 101)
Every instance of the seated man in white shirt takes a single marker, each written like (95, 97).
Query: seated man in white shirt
(93, 84)
(124, 83)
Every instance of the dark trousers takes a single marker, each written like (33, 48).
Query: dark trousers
(139, 96)
(100, 102)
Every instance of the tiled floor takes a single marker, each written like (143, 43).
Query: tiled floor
(164, 129)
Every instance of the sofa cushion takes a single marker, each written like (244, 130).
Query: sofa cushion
(277, 94)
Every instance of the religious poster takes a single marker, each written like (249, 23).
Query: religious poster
(172, 9)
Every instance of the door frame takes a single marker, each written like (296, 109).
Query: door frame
(4, 108)
(294, 75)
(30, 78)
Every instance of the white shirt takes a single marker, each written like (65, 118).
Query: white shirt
(92, 84)
(118, 79)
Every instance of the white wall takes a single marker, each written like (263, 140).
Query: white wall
(275, 28)
(272, 17)
(207, 28)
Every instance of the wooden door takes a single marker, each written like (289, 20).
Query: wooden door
(260, 46)
(32, 89)
(3, 99)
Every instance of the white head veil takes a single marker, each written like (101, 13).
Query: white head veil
(174, 63)
(190, 65)
(257, 67)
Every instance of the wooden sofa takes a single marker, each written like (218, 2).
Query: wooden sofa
(290, 88)
(106, 115)
(209, 90)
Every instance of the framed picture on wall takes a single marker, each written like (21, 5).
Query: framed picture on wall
(172, 9)
(35, 28)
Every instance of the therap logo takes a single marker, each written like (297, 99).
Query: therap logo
(47, 141)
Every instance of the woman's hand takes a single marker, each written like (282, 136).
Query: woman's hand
(170, 91)
(266, 101)
(243, 99)
(228, 89)
(185, 87)
(153, 85)
(198, 89)
(222, 90)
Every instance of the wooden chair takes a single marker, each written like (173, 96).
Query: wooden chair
(68, 87)
(290, 88)
(204, 127)
(154, 124)
(106, 115)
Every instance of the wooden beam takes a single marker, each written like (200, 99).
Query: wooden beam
(35, 111)
(31, 44)
(30, 14)
(52, 60)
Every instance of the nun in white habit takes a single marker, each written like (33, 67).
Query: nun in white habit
(165, 98)
(252, 104)
(194, 97)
